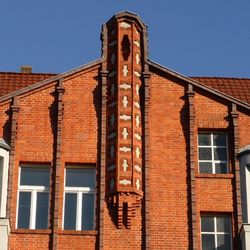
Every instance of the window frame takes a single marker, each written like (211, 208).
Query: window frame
(213, 147)
(215, 232)
(79, 191)
(33, 190)
(4, 161)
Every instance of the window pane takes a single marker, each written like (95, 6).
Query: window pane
(1, 179)
(204, 139)
(205, 167)
(208, 242)
(207, 224)
(219, 139)
(35, 176)
(88, 211)
(223, 242)
(24, 210)
(220, 154)
(223, 224)
(42, 210)
(76, 177)
(205, 154)
(70, 211)
(221, 168)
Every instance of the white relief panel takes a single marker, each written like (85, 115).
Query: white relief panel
(125, 133)
(137, 120)
(137, 58)
(125, 70)
(125, 101)
(125, 165)
(137, 152)
(137, 43)
(137, 183)
(125, 25)
(137, 168)
(125, 86)
(137, 88)
(125, 117)
(125, 149)
(125, 182)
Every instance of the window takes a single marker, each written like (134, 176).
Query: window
(4, 165)
(213, 153)
(33, 198)
(79, 198)
(216, 232)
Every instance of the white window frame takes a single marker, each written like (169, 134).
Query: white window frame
(4, 155)
(33, 200)
(213, 147)
(79, 191)
(215, 233)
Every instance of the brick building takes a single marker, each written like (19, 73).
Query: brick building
(123, 153)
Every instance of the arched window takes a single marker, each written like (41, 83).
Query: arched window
(4, 165)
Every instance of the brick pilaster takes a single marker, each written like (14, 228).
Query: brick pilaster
(58, 161)
(192, 190)
(237, 192)
(145, 128)
(14, 108)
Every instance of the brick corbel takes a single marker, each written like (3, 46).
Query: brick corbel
(192, 190)
(58, 161)
(14, 108)
(237, 192)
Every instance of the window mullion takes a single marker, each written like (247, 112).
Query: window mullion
(212, 149)
(215, 231)
(79, 211)
(33, 209)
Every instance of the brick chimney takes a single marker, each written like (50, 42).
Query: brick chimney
(26, 69)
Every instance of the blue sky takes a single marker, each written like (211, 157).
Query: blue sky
(195, 37)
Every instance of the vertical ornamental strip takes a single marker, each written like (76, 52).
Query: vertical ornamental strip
(103, 74)
(234, 121)
(191, 111)
(125, 63)
(58, 161)
(14, 121)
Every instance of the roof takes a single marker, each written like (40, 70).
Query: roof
(236, 87)
(10, 82)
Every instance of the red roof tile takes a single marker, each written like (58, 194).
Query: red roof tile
(10, 82)
(235, 87)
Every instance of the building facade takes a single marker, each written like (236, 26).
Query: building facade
(123, 153)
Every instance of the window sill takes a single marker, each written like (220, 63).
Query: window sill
(77, 232)
(31, 231)
(215, 176)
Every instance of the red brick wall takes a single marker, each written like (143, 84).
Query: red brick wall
(34, 144)
(168, 165)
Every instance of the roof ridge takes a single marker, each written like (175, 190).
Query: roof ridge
(220, 77)
(31, 73)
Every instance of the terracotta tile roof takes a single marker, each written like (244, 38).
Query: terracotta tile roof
(235, 87)
(10, 82)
